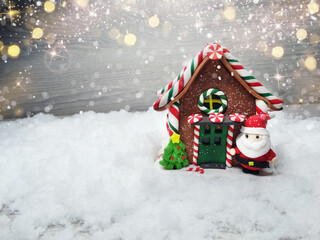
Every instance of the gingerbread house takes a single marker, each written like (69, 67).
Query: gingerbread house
(207, 103)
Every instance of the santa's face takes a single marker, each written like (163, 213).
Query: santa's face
(254, 137)
(253, 145)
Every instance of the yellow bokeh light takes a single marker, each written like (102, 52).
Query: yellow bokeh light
(301, 34)
(82, 3)
(313, 7)
(310, 63)
(130, 39)
(13, 51)
(154, 21)
(1, 45)
(37, 33)
(277, 51)
(64, 4)
(229, 13)
(13, 13)
(49, 6)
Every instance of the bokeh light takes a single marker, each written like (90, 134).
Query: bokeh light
(262, 46)
(82, 3)
(50, 38)
(37, 33)
(314, 39)
(313, 7)
(130, 39)
(229, 13)
(49, 6)
(13, 51)
(154, 21)
(310, 63)
(301, 34)
(114, 33)
(277, 52)
(46, 32)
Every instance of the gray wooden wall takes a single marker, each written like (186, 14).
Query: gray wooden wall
(93, 71)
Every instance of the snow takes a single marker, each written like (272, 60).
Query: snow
(92, 176)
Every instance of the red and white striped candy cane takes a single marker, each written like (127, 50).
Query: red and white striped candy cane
(261, 106)
(196, 144)
(252, 81)
(196, 169)
(229, 145)
(235, 117)
(172, 123)
(172, 89)
(194, 118)
(216, 117)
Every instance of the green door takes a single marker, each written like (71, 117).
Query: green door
(213, 145)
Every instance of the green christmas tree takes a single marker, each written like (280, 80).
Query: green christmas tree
(174, 156)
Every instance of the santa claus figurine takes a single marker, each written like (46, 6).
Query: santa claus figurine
(253, 150)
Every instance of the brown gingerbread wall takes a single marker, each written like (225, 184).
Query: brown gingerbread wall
(239, 99)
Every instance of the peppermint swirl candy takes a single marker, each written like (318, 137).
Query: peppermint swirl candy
(216, 117)
(215, 51)
(194, 118)
(236, 117)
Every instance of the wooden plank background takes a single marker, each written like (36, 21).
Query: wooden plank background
(97, 72)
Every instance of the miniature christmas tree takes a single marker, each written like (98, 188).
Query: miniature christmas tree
(174, 156)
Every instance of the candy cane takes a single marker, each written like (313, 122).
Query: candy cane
(229, 145)
(261, 106)
(252, 81)
(194, 118)
(235, 117)
(173, 119)
(172, 89)
(196, 144)
(197, 169)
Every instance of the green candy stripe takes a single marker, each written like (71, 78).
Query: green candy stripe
(170, 94)
(173, 128)
(232, 60)
(248, 77)
(192, 67)
(265, 94)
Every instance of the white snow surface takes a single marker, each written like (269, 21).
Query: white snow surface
(92, 176)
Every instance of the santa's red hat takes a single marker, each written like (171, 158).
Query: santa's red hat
(256, 124)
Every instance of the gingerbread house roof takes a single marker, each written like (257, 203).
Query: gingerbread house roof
(176, 88)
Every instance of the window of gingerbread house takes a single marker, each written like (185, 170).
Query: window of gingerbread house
(212, 101)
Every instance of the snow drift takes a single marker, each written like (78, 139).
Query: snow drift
(92, 176)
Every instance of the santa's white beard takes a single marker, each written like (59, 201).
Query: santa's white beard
(253, 149)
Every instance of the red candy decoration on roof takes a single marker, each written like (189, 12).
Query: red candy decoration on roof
(194, 118)
(215, 51)
(216, 117)
(236, 117)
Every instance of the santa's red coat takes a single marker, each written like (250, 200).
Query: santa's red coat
(264, 158)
